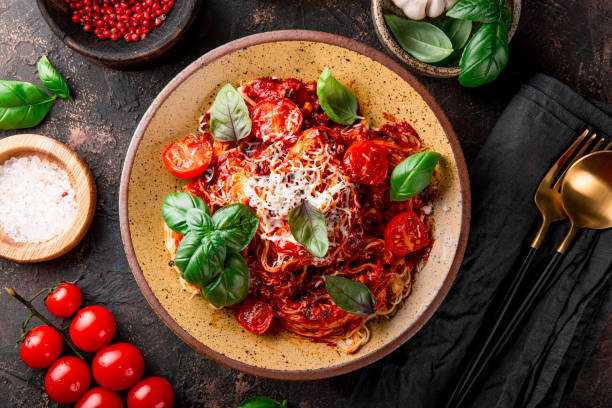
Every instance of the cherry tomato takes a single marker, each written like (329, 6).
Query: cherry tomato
(100, 398)
(118, 366)
(152, 392)
(188, 158)
(276, 119)
(67, 380)
(406, 233)
(366, 162)
(93, 328)
(41, 347)
(255, 316)
(65, 300)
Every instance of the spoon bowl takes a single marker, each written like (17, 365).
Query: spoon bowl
(587, 194)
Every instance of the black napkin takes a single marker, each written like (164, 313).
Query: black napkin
(540, 367)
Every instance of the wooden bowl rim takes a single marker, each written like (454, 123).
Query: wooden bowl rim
(382, 32)
(76, 169)
(115, 60)
(281, 36)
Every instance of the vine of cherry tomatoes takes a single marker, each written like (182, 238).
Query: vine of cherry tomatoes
(115, 367)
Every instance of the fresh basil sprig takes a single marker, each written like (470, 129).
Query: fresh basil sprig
(412, 175)
(175, 208)
(308, 227)
(458, 32)
(229, 116)
(485, 56)
(200, 257)
(486, 11)
(351, 296)
(424, 41)
(262, 402)
(231, 285)
(52, 80)
(336, 100)
(237, 223)
(22, 105)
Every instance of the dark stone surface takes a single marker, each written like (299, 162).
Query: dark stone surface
(569, 39)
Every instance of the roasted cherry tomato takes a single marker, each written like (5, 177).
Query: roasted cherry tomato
(151, 392)
(255, 316)
(65, 300)
(118, 366)
(366, 162)
(406, 233)
(100, 398)
(188, 158)
(41, 347)
(276, 119)
(93, 328)
(67, 380)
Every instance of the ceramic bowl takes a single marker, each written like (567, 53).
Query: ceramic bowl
(382, 7)
(119, 54)
(382, 86)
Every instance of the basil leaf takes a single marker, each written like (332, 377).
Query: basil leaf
(412, 175)
(237, 223)
(351, 296)
(231, 286)
(175, 207)
(22, 105)
(485, 56)
(307, 225)
(424, 41)
(261, 402)
(505, 19)
(229, 116)
(200, 257)
(336, 100)
(458, 31)
(485, 11)
(52, 80)
(198, 221)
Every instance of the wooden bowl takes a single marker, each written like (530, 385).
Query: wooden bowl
(119, 54)
(81, 181)
(381, 85)
(382, 7)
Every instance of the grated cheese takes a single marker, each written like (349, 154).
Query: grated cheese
(37, 201)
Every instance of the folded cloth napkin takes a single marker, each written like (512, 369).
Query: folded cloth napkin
(540, 367)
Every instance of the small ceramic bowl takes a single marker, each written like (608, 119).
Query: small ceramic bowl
(119, 54)
(85, 195)
(383, 87)
(382, 7)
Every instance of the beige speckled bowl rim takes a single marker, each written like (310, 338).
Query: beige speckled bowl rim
(386, 39)
(279, 36)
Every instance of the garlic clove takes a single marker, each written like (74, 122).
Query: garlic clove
(435, 7)
(413, 9)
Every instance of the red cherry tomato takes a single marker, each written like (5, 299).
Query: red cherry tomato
(366, 162)
(188, 158)
(93, 328)
(65, 300)
(406, 233)
(100, 398)
(41, 347)
(255, 316)
(152, 392)
(67, 380)
(118, 366)
(276, 119)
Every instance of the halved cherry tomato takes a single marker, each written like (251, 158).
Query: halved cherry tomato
(100, 398)
(406, 233)
(366, 162)
(276, 119)
(151, 392)
(188, 158)
(67, 380)
(41, 347)
(93, 328)
(65, 300)
(255, 316)
(118, 366)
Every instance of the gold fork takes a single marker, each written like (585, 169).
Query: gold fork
(548, 200)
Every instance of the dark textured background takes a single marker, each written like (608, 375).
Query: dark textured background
(568, 39)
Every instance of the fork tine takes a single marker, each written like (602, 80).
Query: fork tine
(549, 177)
(580, 153)
(608, 146)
